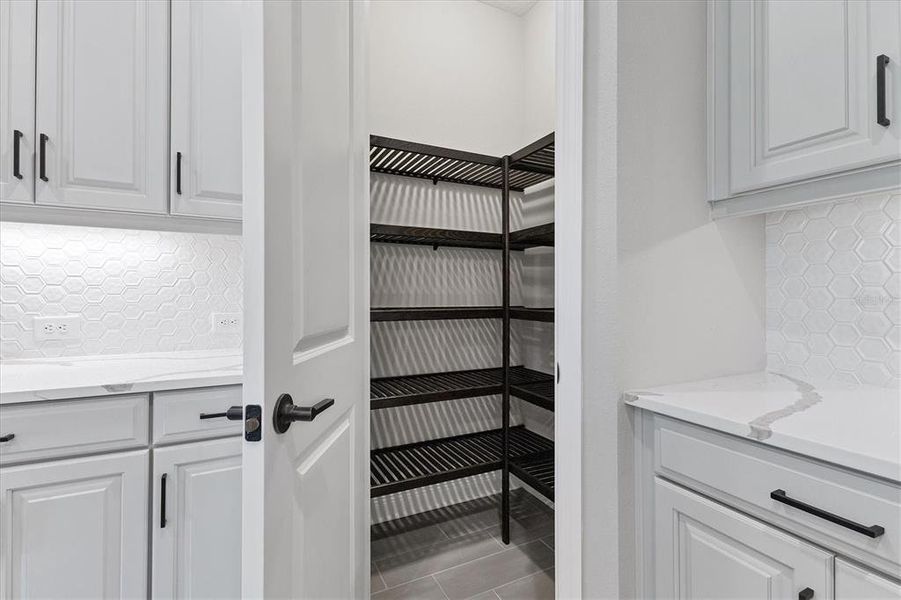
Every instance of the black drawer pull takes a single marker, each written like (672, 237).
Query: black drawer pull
(17, 141)
(234, 413)
(178, 173)
(43, 173)
(881, 63)
(873, 531)
(805, 594)
(7, 438)
(163, 500)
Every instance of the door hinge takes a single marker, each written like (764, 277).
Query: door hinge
(253, 420)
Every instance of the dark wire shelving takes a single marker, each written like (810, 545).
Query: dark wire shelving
(537, 471)
(450, 313)
(540, 235)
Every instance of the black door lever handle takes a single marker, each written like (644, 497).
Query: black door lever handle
(286, 413)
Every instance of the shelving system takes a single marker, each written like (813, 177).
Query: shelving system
(510, 449)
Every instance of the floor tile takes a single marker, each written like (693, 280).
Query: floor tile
(376, 584)
(539, 586)
(489, 595)
(549, 540)
(484, 515)
(405, 541)
(443, 555)
(496, 570)
(421, 589)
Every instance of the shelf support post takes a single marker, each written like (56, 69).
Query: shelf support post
(505, 352)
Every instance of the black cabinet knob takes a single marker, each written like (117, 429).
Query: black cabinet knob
(805, 594)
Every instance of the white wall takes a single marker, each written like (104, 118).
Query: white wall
(538, 50)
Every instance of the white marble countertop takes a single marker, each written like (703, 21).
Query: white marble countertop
(63, 378)
(853, 426)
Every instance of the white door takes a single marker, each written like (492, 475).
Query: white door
(205, 155)
(17, 31)
(306, 491)
(75, 528)
(804, 88)
(196, 520)
(705, 550)
(856, 583)
(103, 104)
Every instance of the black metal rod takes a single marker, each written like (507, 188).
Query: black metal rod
(178, 173)
(17, 141)
(872, 531)
(163, 500)
(532, 148)
(43, 159)
(881, 65)
(505, 354)
(7, 438)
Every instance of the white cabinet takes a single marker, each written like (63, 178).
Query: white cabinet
(856, 583)
(102, 105)
(197, 520)
(795, 95)
(75, 528)
(17, 43)
(206, 109)
(706, 550)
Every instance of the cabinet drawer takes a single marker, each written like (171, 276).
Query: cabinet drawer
(744, 474)
(176, 415)
(69, 427)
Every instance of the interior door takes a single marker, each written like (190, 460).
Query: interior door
(17, 31)
(305, 491)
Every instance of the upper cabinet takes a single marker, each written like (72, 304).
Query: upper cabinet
(93, 117)
(804, 99)
(206, 109)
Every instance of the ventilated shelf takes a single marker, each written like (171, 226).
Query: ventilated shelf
(536, 471)
(522, 313)
(529, 385)
(532, 237)
(435, 313)
(542, 235)
(410, 466)
(537, 157)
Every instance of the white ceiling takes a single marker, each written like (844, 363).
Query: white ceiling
(517, 7)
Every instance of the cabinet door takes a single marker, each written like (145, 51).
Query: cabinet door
(803, 88)
(102, 104)
(17, 31)
(197, 520)
(206, 109)
(75, 528)
(855, 583)
(705, 550)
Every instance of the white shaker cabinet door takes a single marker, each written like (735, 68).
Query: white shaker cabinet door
(75, 528)
(205, 177)
(856, 583)
(706, 550)
(803, 88)
(17, 31)
(197, 520)
(102, 104)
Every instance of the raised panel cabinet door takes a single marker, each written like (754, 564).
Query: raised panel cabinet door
(102, 105)
(706, 550)
(75, 528)
(197, 520)
(803, 88)
(17, 31)
(856, 583)
(205, 175)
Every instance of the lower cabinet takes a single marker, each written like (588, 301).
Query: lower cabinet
(196, 520)
(75, 528)
(856, 583)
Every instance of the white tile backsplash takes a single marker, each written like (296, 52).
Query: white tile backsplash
(834, 290)
(136, 291)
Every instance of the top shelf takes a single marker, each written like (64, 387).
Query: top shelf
(529, 166)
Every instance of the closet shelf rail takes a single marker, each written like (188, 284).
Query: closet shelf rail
(540, 235)
(450, 313)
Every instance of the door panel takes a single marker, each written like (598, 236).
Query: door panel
(705, 550)
(197, 554)
(856, 583)
(102, 102)
(206, 108)
(17, 39)
(75, 528)
(306, 298)
(803, 98)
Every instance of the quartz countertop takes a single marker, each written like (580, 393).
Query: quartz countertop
(854, 426)
(63, 378)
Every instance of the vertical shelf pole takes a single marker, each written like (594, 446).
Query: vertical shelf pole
(505, 406)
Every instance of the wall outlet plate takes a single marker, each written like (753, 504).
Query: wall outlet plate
(227, 322)
(66, 327)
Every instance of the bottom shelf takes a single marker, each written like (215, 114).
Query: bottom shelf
(401, 468)
(537, 471)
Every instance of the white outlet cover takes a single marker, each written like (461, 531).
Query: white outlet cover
(227, 322)
(66, 327)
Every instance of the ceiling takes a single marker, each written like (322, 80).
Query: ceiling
(517, 7)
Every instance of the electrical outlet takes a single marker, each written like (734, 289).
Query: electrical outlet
(227, 323)
(66, 327)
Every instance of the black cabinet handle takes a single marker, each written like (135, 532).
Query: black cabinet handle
(873, 531)
(178, 173)
(7, 438)
(881, 64)
(17, 141)
(43, 173)
(805, 594)
(234, 413)
(163, 500)
(286, 413)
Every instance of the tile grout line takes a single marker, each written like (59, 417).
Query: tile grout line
(520, 579)
(542, 540)
(378, 572)
(440, 587)
(387, 589)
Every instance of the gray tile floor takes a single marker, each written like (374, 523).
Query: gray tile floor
(456, 553)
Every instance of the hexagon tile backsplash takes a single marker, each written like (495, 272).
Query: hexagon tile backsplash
(833, 287)
(136, 291)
